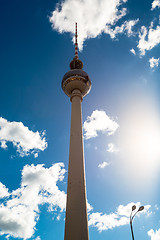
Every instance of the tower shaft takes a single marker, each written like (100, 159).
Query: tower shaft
(76, 223)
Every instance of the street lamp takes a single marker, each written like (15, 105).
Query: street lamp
(131, 217)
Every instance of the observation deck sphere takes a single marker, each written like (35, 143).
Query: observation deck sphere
(76, 79)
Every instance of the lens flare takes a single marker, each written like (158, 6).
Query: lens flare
(139, 142)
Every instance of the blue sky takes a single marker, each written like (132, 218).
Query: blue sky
(119, 43)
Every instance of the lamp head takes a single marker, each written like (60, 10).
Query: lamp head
(133, 207)
(141, 208)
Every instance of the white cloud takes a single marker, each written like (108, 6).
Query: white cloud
(133, 51)
(103, 165)
(89, 207)
(112, 148)
(3, 191)
(20, 212)
(93, 18)
(3, 144)
(129, 25)
(155, 3)
(99, 121)
(126, 210)
(126, 27)
(38, 238)
(154, 62)
(36, 155)
(148, 38)
(25, 140)
(154, 235)
(109, 221)
(105, 222)
(156, 207)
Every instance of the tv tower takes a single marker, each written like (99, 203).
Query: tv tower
(76, 84)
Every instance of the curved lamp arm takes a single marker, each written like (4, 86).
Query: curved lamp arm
(131, 217)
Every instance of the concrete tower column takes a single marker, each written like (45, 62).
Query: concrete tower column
(76, 225)
(76, 84)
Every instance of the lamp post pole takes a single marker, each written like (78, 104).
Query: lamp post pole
(132, 217)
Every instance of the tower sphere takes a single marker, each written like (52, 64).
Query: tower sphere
(76, 79)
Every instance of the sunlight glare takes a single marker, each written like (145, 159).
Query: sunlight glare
(140, 144)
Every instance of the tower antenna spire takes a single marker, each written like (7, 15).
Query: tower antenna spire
(76, 63)
(76, 43)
